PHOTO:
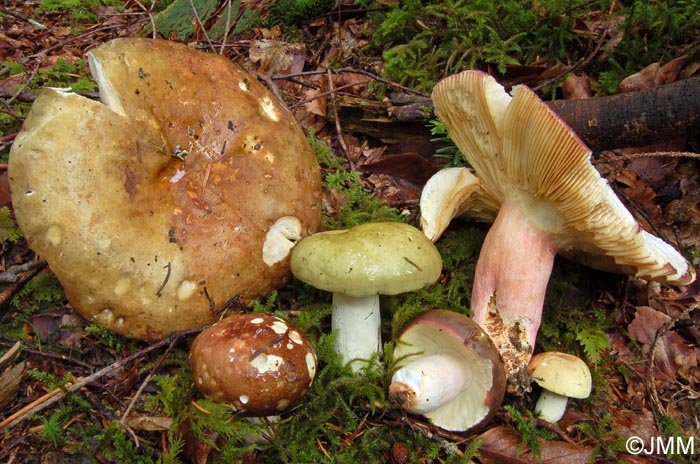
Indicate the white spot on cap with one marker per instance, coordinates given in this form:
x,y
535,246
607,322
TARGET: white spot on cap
x,y
243,86
54,235
311,365
120,321
104,317
179,174
244,399
295,337
280,239
279,327
123,286
186,290
257,320
264,363
283,404
268,108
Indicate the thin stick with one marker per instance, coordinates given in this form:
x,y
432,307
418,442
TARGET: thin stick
x,y
136,396
338,129
56,395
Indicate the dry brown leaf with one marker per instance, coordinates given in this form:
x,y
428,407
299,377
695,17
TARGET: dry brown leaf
x,y
316,102
635,424
673,356
653,75
576,87
274,56
149,423
501,446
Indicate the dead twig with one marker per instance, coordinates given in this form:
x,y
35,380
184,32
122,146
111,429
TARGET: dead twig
x,y
56,395
353,71
11,275
137,395
20,283
338,128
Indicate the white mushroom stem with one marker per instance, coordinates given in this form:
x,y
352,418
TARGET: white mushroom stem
x,y
429,382
510,282
356,322
551,406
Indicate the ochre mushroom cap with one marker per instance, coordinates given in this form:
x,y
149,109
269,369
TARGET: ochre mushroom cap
x,y
561,373
171,198
259,363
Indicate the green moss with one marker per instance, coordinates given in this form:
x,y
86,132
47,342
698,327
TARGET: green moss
x,y
80,10
359,206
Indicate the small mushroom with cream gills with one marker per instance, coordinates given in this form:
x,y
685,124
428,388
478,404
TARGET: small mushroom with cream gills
x,y
358,265
186,186
449,371
536,173
561,376
259,363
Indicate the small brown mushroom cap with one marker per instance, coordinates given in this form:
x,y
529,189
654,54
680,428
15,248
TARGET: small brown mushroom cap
x,y
185,188
260,364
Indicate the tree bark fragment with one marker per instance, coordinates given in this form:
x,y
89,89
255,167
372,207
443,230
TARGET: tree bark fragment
x,y
639,118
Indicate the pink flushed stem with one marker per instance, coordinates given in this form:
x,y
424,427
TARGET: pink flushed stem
x,y
510,282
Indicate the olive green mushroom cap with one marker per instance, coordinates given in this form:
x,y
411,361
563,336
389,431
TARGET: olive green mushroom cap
x,y
384,258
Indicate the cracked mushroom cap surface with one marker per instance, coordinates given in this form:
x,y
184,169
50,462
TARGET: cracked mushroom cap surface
x,y
186,186
259,363
439,331
377,258
523,153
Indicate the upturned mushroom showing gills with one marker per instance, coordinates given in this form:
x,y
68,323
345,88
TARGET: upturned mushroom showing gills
x,y
258,363
448,370
550,199
358,265
186,187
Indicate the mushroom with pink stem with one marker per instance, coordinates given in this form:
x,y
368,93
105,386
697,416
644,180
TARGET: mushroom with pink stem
x,y
534,170
358,265
448,370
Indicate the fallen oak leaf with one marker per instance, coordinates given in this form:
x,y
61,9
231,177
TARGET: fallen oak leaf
x,y
502,446
673,356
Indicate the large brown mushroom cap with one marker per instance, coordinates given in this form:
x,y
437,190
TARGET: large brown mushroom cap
x,y
260,364
187,188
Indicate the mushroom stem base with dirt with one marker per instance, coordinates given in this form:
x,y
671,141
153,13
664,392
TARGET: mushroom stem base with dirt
x,y
356,322
551,406
510,282
429,382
